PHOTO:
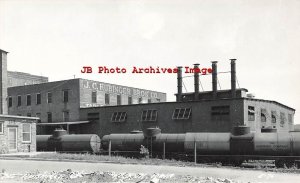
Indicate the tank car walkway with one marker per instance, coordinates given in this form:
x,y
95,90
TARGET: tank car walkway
x,y
18,166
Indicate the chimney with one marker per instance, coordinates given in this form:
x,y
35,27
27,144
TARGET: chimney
x,y
214,79
196,81
233,78
3,83
179,84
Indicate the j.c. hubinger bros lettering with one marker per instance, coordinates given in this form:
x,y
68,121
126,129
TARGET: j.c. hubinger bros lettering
x,y
144,70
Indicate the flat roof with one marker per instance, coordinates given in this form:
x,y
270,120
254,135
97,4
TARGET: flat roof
x,y
63,123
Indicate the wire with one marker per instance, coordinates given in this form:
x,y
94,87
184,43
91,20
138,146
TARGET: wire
x,y
184,86
201,84
237,82
219,83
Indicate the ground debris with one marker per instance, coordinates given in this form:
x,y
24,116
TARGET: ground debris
x,y
69,176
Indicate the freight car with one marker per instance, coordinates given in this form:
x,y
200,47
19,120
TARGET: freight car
x,y
62,142
235,147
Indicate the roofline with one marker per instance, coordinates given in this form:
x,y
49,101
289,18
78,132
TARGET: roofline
x,y
206,100
19,117
4,51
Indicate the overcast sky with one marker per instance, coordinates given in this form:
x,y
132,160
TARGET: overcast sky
x,y
56,38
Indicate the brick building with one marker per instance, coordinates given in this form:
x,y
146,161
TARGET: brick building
x,y
20,79
58,103
17,133
212,111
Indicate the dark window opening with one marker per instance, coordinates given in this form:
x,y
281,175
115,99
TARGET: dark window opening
x,y
94,116
118,99
107,99
19,100
220,113
119,117
28,100
182,113
263,117
251,113
38,98
129,100
66,96
94,97
273,116
149,115
49,98
66,116
49,117
10,101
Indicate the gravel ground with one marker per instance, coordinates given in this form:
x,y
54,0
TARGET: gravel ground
x,y
76,177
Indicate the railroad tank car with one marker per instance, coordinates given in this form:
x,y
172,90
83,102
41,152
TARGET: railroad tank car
x,y
234,147
62,142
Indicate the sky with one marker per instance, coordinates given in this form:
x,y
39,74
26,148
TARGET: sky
x,y
56,38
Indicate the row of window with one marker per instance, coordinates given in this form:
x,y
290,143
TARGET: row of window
x,y
65,114
146,115
264,115
38,98
65,94
26,131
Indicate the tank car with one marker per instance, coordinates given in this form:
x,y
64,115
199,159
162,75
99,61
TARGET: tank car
x,y
62,142
234,147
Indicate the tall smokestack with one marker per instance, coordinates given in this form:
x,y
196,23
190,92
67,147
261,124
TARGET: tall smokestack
x,y
196,80
179,84
233,78
3,82
214,79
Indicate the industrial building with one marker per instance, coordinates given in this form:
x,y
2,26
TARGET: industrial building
x,y
17,133
212,111
15,78
58,103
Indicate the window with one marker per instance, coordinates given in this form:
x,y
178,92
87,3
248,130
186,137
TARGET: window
x,y
140,100
28,114
118,99
65,95
158,100
282,119
149,100
39,116
107,99
290,118
220,113
49,117
263,117
93,116
38,98
94,97
119,117
49,97
182,113
28,99
19,100
274,116
129,100
10,101
66,116
26,132
1,127
149,115
251,113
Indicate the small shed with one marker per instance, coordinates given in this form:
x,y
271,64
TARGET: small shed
x,y
17,134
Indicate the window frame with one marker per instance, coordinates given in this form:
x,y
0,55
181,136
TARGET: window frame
x,y
19,100
94,97
10,101
49,96
65,96
107,98
182,113
64,116
118,117
149,115
49,121
38,99
28,99
1,127
251,113
30,133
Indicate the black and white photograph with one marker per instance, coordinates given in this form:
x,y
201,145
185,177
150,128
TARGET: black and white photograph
x,y
149,91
